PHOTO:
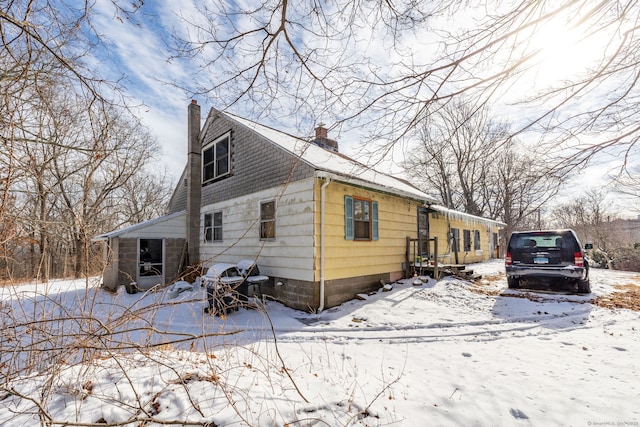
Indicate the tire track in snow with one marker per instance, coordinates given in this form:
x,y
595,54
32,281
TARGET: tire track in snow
x,y
488,330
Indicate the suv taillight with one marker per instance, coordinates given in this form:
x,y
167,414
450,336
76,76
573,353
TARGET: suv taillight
x,y
508,260
578,260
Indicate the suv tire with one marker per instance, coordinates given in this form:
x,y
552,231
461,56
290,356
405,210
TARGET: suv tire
x,y
584,287
513,283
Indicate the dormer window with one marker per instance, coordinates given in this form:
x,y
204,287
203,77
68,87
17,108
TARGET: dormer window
x,y
216,159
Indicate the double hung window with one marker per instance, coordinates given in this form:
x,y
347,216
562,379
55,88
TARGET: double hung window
x,y
213,227
268,220
216,159
360,219
467,240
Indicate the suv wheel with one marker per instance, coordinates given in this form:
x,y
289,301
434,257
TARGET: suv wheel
x,y
513,283
584,287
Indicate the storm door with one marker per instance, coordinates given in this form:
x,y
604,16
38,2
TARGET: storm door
x,y
423,232
150,263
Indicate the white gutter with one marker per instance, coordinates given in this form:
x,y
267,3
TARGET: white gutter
x,y
418,196
322,227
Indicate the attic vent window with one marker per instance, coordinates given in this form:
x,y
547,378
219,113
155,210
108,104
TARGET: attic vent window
x,y
216,159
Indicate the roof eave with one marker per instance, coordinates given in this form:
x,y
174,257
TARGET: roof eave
x,y
134,227
420,198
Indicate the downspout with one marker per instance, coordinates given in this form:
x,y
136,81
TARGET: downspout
x,y
322,232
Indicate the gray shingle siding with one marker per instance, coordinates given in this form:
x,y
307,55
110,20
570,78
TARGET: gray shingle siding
x,y
256,163
178,201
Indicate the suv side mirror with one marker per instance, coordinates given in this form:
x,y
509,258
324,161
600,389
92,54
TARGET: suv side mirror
x,y
588,246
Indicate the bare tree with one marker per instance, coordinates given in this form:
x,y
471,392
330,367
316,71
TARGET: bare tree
x,y
589,217
476,166
116,150
384,64
455,154
627,184
147,193
70,146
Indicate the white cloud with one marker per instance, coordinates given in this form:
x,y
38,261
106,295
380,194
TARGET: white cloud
x,y
138,51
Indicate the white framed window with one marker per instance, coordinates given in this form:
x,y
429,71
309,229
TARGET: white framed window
x,y
213,227
268,220
216,159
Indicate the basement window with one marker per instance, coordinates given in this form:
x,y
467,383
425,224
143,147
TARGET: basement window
x,y
216,159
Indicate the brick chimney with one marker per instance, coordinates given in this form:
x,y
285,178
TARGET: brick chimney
x,y
322,139
321,131
194,176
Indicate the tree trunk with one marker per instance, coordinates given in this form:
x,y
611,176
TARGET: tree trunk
x,y
81,256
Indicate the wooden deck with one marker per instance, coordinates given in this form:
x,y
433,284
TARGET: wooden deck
x,y
423,264
443,270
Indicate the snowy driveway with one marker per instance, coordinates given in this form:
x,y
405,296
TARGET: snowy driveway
x,y
445,353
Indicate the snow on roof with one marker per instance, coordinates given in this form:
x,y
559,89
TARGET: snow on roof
x,y
335,163
138,226
464,216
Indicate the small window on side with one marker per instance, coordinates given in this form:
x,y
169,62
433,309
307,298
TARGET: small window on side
x,y
213,227
466,234
455,239
268,220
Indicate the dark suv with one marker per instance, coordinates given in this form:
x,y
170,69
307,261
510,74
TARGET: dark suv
x,y
553,257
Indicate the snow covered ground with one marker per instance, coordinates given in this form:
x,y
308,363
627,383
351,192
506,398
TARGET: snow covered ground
x,y
451,352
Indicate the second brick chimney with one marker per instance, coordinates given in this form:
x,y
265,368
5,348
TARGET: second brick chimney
x,y
321,131
322,139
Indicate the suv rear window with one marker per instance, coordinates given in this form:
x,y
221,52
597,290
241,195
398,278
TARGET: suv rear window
x,y
542,241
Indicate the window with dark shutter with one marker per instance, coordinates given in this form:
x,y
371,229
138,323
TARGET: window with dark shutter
x,y
360,219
